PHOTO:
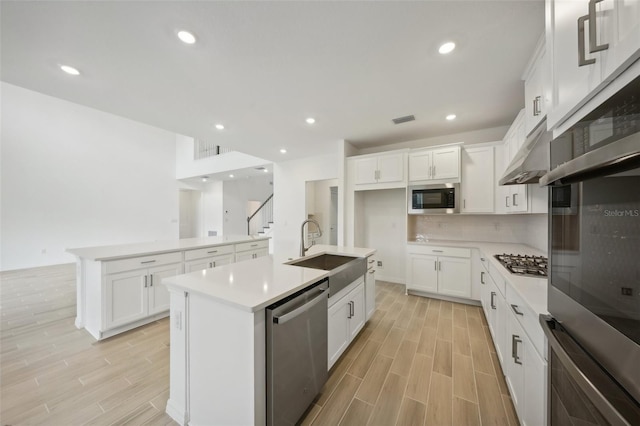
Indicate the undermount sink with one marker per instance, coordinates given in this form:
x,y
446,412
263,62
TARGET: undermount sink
x,y
343,270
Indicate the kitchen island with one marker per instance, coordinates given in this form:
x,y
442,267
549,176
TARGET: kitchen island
x,y
118,286
218,331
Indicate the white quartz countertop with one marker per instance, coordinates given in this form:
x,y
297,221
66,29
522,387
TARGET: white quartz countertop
x,y
156,247
254,284
532,290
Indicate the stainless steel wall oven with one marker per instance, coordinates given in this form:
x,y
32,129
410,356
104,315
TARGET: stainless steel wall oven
x,y
594,266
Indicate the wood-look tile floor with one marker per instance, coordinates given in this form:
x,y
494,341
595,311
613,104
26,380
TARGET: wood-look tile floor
x,y
418,361
54,374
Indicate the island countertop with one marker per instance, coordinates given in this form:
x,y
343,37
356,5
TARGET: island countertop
x,y
113,252
250,285
255,284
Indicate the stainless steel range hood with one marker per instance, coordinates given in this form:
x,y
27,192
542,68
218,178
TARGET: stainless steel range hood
x,y
531,162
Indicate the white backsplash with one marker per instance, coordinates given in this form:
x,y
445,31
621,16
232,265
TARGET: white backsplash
x,y
530,229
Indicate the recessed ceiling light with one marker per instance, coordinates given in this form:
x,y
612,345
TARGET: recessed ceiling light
x,y
266,170
310,120
230,176
69,70
283,151
219,127
204,178
186,37
451,117
447,48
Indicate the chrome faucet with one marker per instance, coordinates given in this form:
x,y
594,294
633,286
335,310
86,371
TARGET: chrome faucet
x,y
304,249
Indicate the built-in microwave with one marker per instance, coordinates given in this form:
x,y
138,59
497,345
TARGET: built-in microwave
x,y
442,198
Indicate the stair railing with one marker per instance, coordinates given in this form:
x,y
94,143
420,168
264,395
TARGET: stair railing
x,y
266,214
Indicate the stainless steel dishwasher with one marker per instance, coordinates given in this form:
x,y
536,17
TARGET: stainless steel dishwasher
x,y
296,353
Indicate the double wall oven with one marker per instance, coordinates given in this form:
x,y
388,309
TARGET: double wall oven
x,y
594,266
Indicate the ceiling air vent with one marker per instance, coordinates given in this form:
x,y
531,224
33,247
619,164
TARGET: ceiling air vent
x,y
404,119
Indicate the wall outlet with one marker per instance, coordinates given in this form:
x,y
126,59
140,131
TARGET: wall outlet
x,y
379,263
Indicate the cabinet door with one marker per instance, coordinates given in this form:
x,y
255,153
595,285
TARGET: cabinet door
x,y
370,292
500,323
518,199
535,389
357,320
158,293
420,166
391,168
446,163
196,265
486,288
338,330
244,255
514,361
126,297
619,26
534,95
477,180
454,276
571,83
366,170
423,272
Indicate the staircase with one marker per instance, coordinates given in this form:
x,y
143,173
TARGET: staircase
x,y
261,221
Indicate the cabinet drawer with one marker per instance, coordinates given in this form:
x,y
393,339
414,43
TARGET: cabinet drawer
x,y
208,252
527,319
141,262
446,251
252,245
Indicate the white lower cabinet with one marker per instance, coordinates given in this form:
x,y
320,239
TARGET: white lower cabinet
x,y
253,250
346,317
137,294
519,342
526,375
442,270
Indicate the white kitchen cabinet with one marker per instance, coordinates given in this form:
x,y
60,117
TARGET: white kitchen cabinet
x,y
435,165
346,317
370,287
380,169
525,375
582,64
515,196
494,305
535,88
136,294
251,250
440,270
478,180
207,258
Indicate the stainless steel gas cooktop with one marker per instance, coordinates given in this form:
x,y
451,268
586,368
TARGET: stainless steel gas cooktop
x,y
529,266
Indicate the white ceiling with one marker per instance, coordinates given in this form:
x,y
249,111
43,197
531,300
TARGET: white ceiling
x,y
261,68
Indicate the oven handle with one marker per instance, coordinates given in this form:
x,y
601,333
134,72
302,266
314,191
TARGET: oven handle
x,y
594,395
281,319
615,157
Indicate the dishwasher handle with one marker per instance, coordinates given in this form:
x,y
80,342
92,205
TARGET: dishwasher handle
x,y
281,319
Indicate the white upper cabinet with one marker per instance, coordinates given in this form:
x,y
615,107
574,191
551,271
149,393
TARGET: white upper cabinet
x,y
478,180
380,171
589,43
435,165
535,88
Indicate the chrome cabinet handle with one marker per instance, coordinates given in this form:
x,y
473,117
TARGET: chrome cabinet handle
x,y
593,30
482,277
515,309
582,60
536,106
353,308
437,251
371,261
439,266
145,281
151,280
435,265
147,261
212,251
483,259
210,265
515,203
514,348
372,271
506,201
464,204
493,294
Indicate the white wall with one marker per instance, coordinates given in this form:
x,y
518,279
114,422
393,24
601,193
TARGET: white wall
x,y
384,223
289,180
72,176
236,194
